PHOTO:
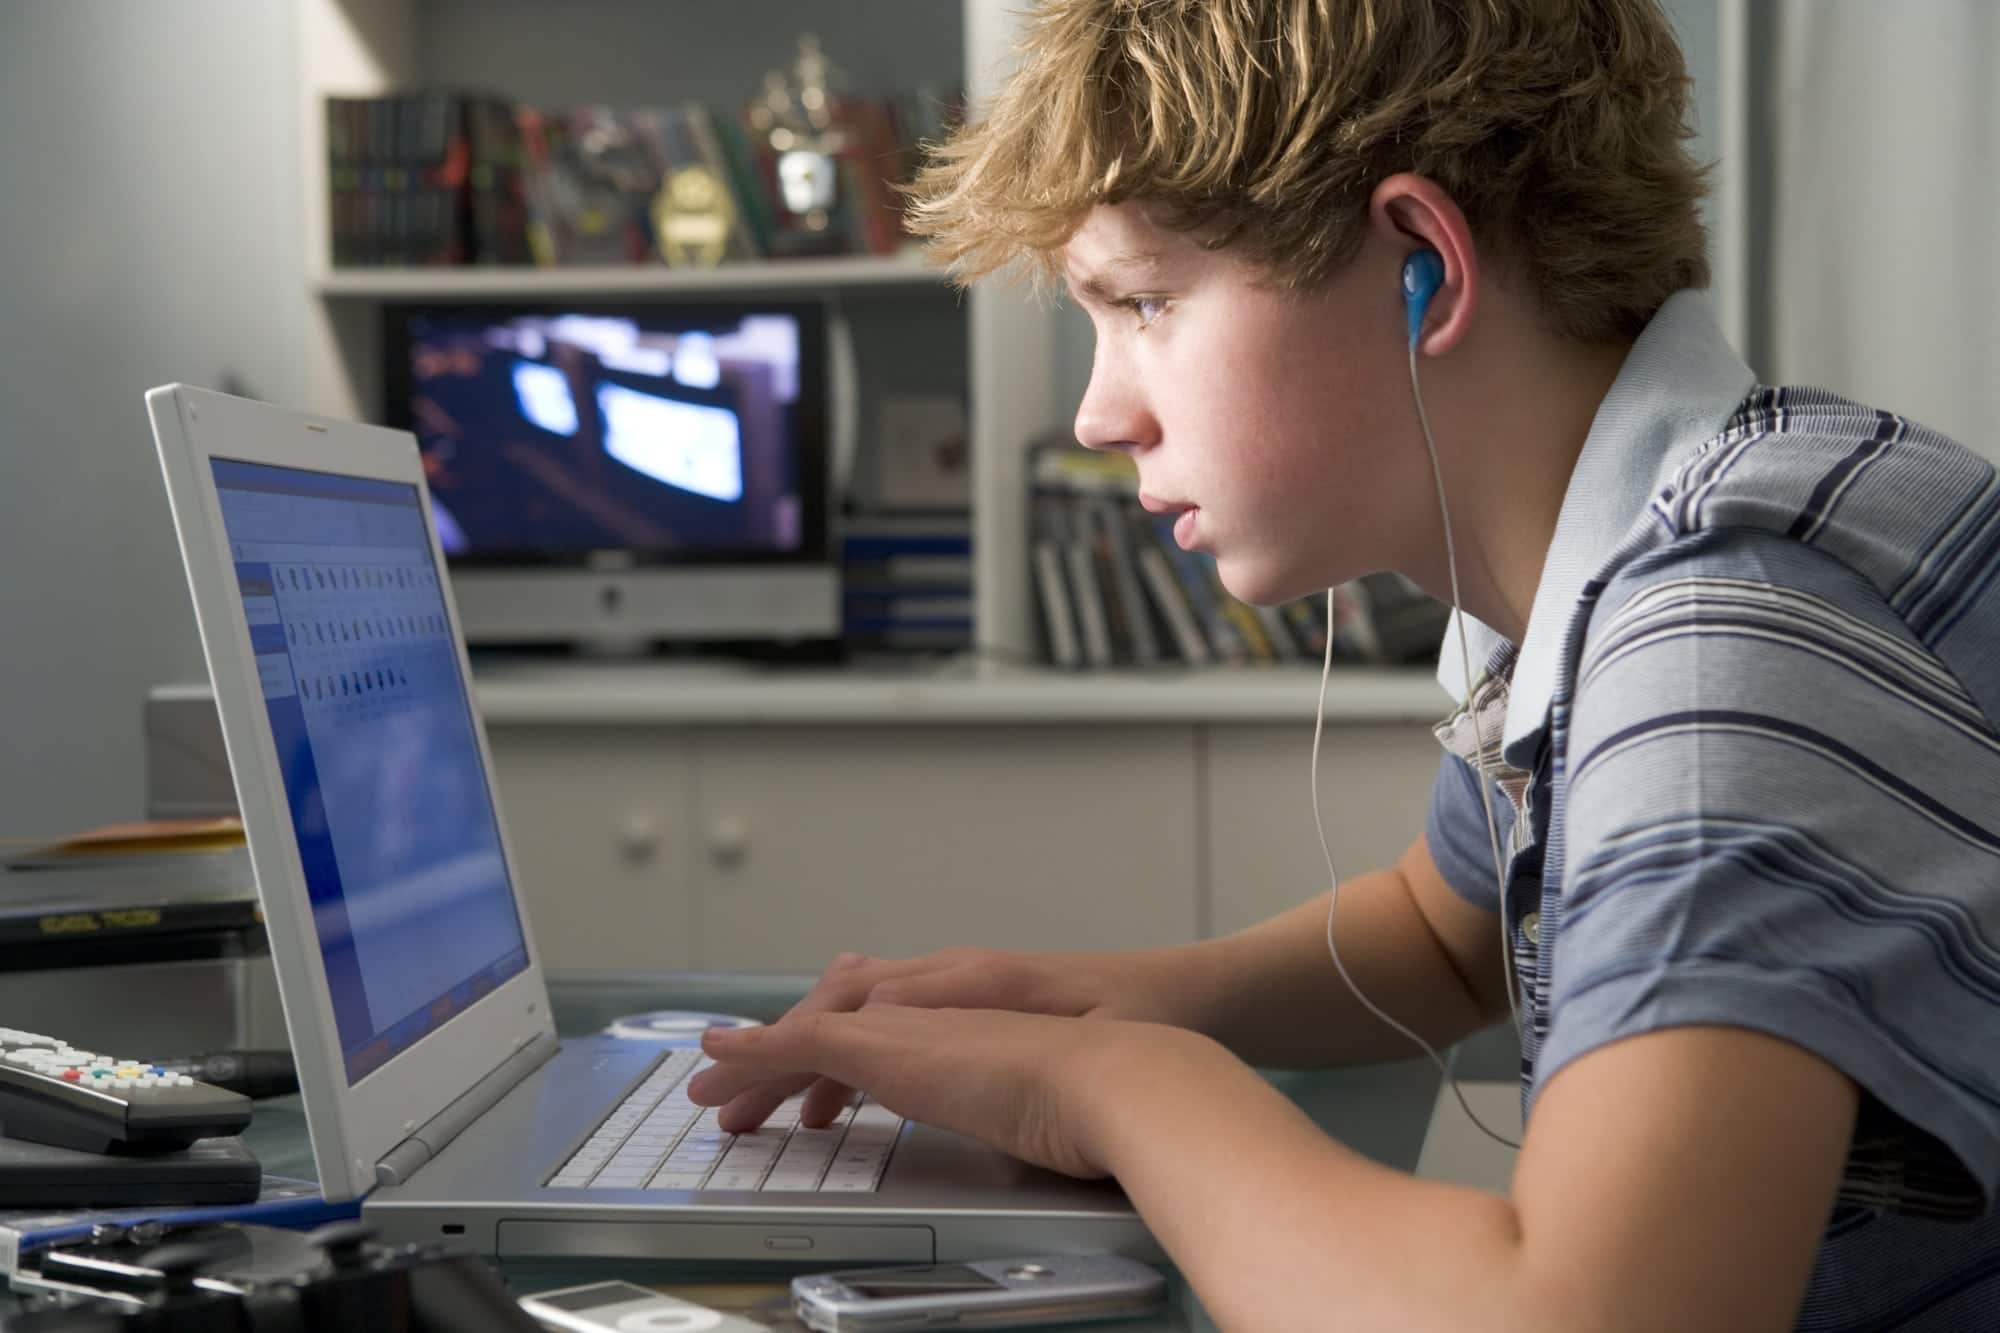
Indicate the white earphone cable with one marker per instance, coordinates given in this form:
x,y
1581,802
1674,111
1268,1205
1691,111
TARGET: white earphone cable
x,y
1485,796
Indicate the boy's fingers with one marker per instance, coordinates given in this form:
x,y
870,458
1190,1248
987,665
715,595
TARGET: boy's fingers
x,y
747,1110
824,1100
954,988
743,1063
831,1044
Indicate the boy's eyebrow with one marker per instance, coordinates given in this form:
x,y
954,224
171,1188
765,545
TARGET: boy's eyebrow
x,y
1097,285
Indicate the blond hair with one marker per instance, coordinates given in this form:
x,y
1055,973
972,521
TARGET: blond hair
x,y
1559,127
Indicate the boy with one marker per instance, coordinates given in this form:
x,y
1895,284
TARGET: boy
x,y
1732,701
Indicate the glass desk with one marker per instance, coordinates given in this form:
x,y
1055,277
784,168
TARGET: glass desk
x,y
1381,1111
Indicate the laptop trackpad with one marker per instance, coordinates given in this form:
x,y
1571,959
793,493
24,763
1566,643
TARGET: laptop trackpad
x,y
531,1239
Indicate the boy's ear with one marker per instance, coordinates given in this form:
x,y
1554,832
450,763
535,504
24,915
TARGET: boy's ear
x,y
1410,212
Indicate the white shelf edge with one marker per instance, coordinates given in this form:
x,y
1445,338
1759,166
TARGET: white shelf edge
x,y
575,693
501,283
699,695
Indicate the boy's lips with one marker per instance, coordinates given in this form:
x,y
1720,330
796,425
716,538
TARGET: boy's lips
x,y
1184,523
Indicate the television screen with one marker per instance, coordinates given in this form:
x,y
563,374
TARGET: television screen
x,y
682,433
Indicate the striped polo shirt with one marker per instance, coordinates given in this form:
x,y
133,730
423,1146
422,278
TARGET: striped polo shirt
x,y
1749,775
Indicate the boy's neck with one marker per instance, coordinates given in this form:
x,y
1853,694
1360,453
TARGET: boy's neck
x,y
1514,415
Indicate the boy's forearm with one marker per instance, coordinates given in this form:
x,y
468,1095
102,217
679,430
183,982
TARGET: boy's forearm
x,y
1272,996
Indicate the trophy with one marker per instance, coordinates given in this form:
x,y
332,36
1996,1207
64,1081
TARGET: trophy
x,y
797,124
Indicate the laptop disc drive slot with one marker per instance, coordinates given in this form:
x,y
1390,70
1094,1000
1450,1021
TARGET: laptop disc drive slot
x,y
629,1239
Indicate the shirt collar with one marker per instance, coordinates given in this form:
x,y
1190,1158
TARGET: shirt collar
x,y
1679,386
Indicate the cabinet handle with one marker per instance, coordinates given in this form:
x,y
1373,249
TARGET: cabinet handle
x,y
639,837
729,840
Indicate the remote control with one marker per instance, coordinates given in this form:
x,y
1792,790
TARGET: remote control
x,y
52,1093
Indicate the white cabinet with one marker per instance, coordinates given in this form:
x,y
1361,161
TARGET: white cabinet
x,y
717,823
767,849
599,820
899,840
713,818
1262,853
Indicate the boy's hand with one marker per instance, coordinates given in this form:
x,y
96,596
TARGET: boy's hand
x,y
1020,1082
950,978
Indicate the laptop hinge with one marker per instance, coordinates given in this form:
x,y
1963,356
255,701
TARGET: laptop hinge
x,y
401,1162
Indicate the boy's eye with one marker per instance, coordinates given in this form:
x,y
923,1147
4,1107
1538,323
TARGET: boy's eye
x,y
1147,308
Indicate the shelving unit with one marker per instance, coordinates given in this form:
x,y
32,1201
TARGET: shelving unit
x,y
910,330
620,280
739,818
1012,355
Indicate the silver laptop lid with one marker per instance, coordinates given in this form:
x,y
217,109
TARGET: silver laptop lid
x,y
403,956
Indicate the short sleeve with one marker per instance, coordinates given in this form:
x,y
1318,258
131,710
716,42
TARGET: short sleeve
x,y
1455,830
1782,813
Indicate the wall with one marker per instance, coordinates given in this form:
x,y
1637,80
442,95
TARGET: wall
x,y
1879,278
148,202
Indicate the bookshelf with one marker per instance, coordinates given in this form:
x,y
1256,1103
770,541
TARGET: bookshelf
x,y
1016,359
997,345
621,280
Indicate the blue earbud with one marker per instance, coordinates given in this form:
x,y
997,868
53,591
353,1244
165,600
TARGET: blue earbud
x,y
1423,274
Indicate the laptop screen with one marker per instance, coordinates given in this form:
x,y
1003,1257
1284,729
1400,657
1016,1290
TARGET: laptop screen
x,y
373,723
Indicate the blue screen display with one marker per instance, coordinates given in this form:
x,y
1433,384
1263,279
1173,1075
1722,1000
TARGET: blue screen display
x,y
396,828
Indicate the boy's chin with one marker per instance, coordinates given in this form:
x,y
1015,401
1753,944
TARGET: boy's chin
x,y
1249,580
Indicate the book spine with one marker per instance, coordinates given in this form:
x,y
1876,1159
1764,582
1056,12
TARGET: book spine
x,y
1084,526
1353,627
340,180
1245,620
1125,583
1089,598
1223,636
1173,608
1052,587
1278,632
1307,625
744,182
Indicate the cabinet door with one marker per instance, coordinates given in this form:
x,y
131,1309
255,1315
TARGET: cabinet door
x,y
895,840
1263,855
599,819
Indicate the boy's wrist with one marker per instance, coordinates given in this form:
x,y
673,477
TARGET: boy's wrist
x,y
1178,985
1126,1071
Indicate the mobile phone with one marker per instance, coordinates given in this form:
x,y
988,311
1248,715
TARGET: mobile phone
x,y
991,1293
621,1307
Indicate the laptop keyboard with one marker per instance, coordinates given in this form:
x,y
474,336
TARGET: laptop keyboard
x,y
657,1139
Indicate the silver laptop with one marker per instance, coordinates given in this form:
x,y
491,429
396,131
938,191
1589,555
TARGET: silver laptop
x,y
432,1078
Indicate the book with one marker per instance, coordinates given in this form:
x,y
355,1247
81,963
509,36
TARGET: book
x,y
122,868
1114,540
146,837
1167,596
1224,638
1278,632
1408,623
1135,597
1086,595
429,175
1353,632
1308,625
906,581
1059,628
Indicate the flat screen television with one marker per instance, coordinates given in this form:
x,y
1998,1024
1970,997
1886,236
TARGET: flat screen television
x,y
624,473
